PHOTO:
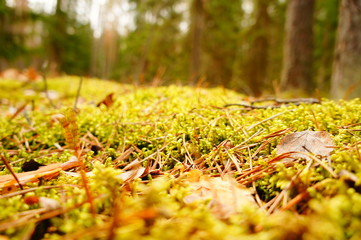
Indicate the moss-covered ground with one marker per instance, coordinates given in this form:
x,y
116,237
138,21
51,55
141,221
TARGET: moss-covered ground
x,y
140,152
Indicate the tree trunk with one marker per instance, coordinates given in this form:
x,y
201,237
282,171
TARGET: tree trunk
x,y
346,76
57,34
197,24
110,50
298,48
256,71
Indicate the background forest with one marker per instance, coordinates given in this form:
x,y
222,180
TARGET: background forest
x,y
253,46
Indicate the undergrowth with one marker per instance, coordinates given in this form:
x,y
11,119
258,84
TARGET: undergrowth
x,y
162,134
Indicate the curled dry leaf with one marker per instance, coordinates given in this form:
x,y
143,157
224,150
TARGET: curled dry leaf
x,y
132,174
225,194
107,101
319,143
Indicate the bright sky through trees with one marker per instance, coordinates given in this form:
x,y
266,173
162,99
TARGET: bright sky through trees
x,y
102,14
120,13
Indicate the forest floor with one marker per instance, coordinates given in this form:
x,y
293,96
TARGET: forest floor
x,y
104,160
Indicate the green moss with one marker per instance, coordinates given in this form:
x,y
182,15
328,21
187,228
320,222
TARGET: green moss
x,y
168,130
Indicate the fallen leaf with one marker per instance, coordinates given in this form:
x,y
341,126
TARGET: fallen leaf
x,y
226,196
31,74
319,143
194,175
132,174
107,101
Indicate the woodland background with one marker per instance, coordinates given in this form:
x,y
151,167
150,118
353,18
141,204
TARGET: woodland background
x,y
253,46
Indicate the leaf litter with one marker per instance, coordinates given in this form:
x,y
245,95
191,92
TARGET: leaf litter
x,y
225,195
318,143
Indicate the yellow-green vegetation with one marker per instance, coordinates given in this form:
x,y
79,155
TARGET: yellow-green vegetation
x,y
138,153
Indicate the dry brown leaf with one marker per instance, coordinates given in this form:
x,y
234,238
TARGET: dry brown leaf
x,y
194,175
225,194
31,74
107,101
132,174
319,143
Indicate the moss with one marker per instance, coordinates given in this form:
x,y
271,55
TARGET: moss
x,y
170,130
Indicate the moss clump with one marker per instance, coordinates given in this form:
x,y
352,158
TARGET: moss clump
x,y
160,133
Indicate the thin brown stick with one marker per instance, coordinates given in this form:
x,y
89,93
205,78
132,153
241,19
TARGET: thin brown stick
x,y
78,93
47,92
116,221
279,102
294,100
278,133
283,195
19,110
327,168
316,122
295,200
11,171
267,119
276,202
22,192
350,125
235,161
27,219
269,162
303,195
249,106
124,156
358,152
256,176
259,132
90,199
95,232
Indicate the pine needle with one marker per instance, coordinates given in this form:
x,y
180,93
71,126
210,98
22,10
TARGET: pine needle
x,y
11,171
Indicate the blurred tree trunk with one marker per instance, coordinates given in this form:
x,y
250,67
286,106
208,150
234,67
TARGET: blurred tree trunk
x,y
346,77
7,40
220,40
57,34
21,29
196,29
298,47
109,46
258,53
326,17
